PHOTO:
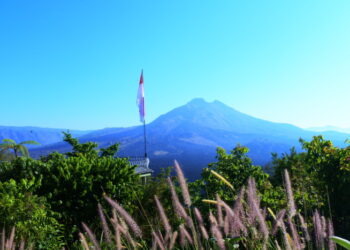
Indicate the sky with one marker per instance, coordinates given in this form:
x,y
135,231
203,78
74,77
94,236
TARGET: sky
x,y
76,64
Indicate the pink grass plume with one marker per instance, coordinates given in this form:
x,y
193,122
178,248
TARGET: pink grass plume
x,y
129,220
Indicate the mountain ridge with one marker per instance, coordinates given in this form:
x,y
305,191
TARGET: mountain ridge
x,y
192,132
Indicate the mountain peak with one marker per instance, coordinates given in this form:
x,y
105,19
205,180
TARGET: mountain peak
x,y
201,102
197,101
216,115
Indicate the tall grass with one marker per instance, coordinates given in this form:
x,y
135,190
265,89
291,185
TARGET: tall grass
x,y
243,225
8,242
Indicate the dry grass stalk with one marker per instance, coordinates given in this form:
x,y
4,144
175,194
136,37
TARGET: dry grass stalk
x,y
183,184
127,236
212,219
255,208
115,224
185,237
318,230
173,240
10,241
219,211
22,245
160,236
227,225
279,221
277,245
3,237
84,241
158,241
237,226
324,226
198,215
201,223
162,214
219,239
293,229
91,236
238,205
290,196
187,200
330,231
105,228
304,228
179,209
227,208
215,231
129,220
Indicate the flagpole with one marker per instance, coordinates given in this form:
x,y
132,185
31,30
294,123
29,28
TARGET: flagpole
x,y
144,136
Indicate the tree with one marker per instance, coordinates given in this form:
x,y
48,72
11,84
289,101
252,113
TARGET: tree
x,y
321,179
330,168
237,167
17,148
306,194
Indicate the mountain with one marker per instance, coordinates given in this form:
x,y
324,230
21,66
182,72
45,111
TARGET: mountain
x,y
44,136
191,134
330,128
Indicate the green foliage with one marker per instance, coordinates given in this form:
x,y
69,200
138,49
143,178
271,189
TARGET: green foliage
x,y
29,214
47,199
75,183
110,151
306,194
321,179
341,242
17,148
236,167
159,186
86,149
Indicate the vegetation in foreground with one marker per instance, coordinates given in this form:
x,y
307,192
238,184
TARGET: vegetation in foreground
x,y
46,200
244,225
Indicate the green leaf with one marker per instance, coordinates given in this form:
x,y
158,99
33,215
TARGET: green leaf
x,y
340,241
9,141
30,142
23,150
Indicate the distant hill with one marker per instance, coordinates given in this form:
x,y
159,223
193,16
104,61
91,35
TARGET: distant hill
x,y
192,132
44,136
330,128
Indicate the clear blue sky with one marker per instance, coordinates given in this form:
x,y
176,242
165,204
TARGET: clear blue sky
x,y
76,64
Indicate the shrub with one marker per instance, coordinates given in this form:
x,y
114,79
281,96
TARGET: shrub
x,y
73,184
29,214
236,167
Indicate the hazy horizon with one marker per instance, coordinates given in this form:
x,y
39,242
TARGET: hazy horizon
x,y
77,64
317,128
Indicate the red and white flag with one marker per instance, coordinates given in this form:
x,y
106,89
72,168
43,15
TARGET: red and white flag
x,y
141,99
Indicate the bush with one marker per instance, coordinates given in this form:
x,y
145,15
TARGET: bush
x,y
236,167
29,214
73,184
